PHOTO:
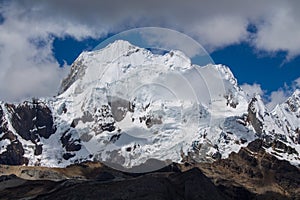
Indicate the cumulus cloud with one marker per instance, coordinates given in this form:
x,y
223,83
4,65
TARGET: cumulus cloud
x,y
214,32
282,94
252,90
274,97
27,29
278,97
280,31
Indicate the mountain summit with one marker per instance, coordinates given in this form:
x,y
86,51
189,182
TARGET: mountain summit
x,y
124,105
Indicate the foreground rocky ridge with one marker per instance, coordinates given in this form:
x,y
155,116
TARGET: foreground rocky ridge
x,y
258,171
249,174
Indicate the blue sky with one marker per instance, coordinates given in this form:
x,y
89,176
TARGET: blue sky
x,y
258,40
271,71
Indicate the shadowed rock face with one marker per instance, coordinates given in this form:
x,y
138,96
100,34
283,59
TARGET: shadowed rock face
x,y
257,171
69,144
13,154
119,107
31,120
256,123
77,71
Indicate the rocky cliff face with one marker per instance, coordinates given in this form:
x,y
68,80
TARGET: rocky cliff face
x,y
257,171
23,124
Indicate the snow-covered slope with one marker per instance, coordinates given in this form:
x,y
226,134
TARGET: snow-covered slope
x,y
125,105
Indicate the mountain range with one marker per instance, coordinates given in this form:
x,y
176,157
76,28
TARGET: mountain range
x,y
137,112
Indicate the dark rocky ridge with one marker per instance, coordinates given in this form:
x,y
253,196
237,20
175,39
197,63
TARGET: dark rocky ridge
x,y
31,120
250,174
13,155
257,171
77,71
256,123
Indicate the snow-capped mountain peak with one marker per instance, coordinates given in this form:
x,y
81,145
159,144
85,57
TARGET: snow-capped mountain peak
x,y
125,105
294,101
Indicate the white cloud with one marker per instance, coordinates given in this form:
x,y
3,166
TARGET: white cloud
x,y
277,97
31,70
281,32
215,23
282,94
220,31
28,67
252,90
